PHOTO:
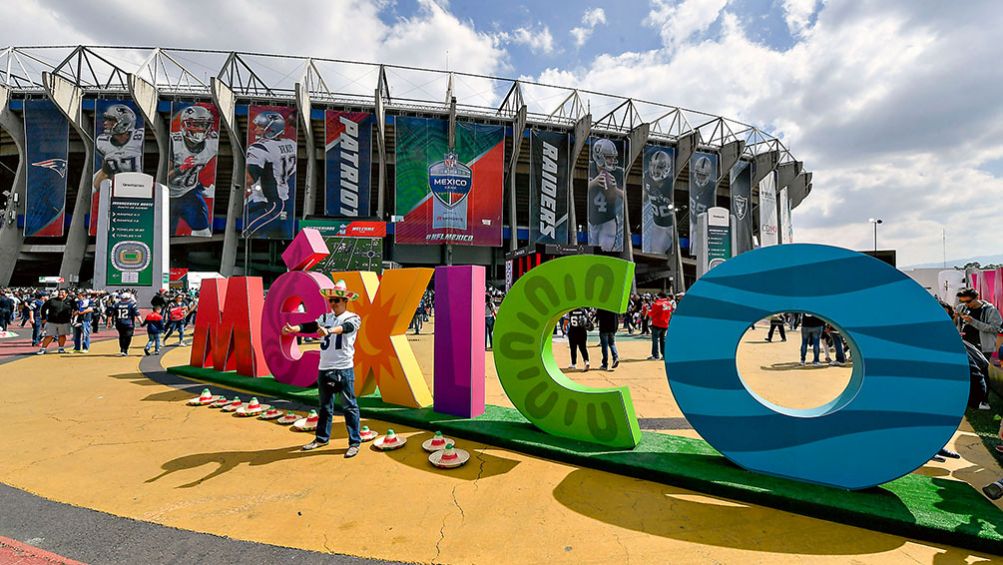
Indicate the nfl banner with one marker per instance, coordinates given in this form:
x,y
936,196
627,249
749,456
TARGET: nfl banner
x,y
118,146
270,178
658,228
548,187
47,138
768,229
703,183
449,194
741,205
191,178
605,195
786,231
348,151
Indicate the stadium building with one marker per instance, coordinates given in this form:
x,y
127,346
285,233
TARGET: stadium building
x,y
401,166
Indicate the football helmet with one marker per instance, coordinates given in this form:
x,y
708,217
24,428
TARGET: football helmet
x,y
270,124
701,170
118,119
660,166
605,155
196,121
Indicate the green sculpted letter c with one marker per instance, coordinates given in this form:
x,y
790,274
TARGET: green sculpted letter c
x,y
525,360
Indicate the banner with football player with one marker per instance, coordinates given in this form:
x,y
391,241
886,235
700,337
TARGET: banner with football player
x,y
348,151
703,188
548,186
658,230
270,173
741,205
768,229
191,177
47,140
118,146
606,193
449,194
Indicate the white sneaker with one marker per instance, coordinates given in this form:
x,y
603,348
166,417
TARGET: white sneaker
x,y
85,351
586,366
985,406
572,366
41,352
122,354
62,350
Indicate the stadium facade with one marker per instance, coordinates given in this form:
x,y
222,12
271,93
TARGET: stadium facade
x,y
456,168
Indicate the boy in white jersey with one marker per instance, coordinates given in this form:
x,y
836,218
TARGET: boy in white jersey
x,y
337,360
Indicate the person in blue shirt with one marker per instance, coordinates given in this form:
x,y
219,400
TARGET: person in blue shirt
x,y
84,312
126,315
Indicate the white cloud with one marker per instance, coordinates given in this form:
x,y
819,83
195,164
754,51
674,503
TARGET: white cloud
x,y
592,18
798,13
676,22
538,40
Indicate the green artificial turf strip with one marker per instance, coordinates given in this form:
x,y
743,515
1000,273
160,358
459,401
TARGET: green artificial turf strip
x,y
933,509
986,423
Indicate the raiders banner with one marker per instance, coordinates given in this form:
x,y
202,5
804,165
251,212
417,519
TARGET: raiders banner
x,y
348,154
605,195
548,187
47,139
741,205
768,229
658,210
703,182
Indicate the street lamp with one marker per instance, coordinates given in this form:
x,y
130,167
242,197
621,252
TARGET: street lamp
x,y
875,221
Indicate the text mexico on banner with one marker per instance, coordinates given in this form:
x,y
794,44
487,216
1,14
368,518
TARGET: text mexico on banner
x,y
741,205
131,231
270,177
348,151
605,194
192,174
548,187
47,138
658,229
118,146
768,229
449,195
703,185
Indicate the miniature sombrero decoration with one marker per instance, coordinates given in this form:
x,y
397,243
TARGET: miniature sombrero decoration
x,y
205,398
449,458
252,408
270,414
289,418
233,405
307,424
368,435
436,443
221,401
340,290
390,441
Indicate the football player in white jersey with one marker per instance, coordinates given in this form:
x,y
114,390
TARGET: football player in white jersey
x,y
120,145
605,199
192,149
271,163
658,195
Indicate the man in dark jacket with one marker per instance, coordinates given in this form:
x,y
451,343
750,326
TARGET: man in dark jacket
x,y
608,323
56,315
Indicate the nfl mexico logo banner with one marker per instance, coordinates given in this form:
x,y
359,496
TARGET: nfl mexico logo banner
x,y
449,194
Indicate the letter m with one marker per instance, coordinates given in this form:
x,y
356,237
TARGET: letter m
x,y
228,326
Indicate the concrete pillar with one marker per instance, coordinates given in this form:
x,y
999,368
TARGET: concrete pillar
x,y
728,156
518,127
226,102
637,139
583,127
11,238
303,108
685,146
147,98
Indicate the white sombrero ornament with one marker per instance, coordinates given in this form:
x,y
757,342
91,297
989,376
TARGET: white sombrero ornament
x,y
340,290
390,441
233,405
289,418
252,408
436,443
307,424
270,414
368,435
221,401
449,458
203,399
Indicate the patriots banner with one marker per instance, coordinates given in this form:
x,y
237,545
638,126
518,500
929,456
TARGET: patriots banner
x,y
348,151
47,138
270,173
741,205
191,177
449,194
548,186
768,229
118,146
658,227
605,195
703,186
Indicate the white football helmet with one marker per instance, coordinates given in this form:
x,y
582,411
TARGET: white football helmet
x,y
701,170
605,155
119,118
660,166
196,121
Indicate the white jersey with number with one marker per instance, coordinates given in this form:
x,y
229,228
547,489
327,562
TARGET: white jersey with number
x,y
277,159
127,158
189,163
338,351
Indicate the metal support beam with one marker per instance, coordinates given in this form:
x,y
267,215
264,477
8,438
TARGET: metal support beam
x,y
583,127
303,107
226,102
685,147
12,238
146,97
68,98
518,127
637,139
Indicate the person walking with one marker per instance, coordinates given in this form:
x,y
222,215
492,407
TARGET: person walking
x,y
177,314
82,328
56,314
6,310
979,324
126,315
607,337
578,335
490,313
811,334
776,323
336,374
660,312
154,323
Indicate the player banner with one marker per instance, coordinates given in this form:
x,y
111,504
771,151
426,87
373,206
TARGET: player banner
x,y
348,151
47,139
658,229
270,177
191,178
354,245
118,146
606,186
449,195
741,205
768,229
703,182
131,232
548,186
786,231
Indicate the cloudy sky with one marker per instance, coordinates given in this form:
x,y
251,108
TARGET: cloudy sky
x,y
895,105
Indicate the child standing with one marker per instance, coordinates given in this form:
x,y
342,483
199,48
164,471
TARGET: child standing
x,y
154,323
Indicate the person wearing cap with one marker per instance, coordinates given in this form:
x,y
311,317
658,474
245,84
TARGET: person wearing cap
x,y
126,315
336,375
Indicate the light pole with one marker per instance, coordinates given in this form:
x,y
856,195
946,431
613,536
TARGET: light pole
x,y
875,221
